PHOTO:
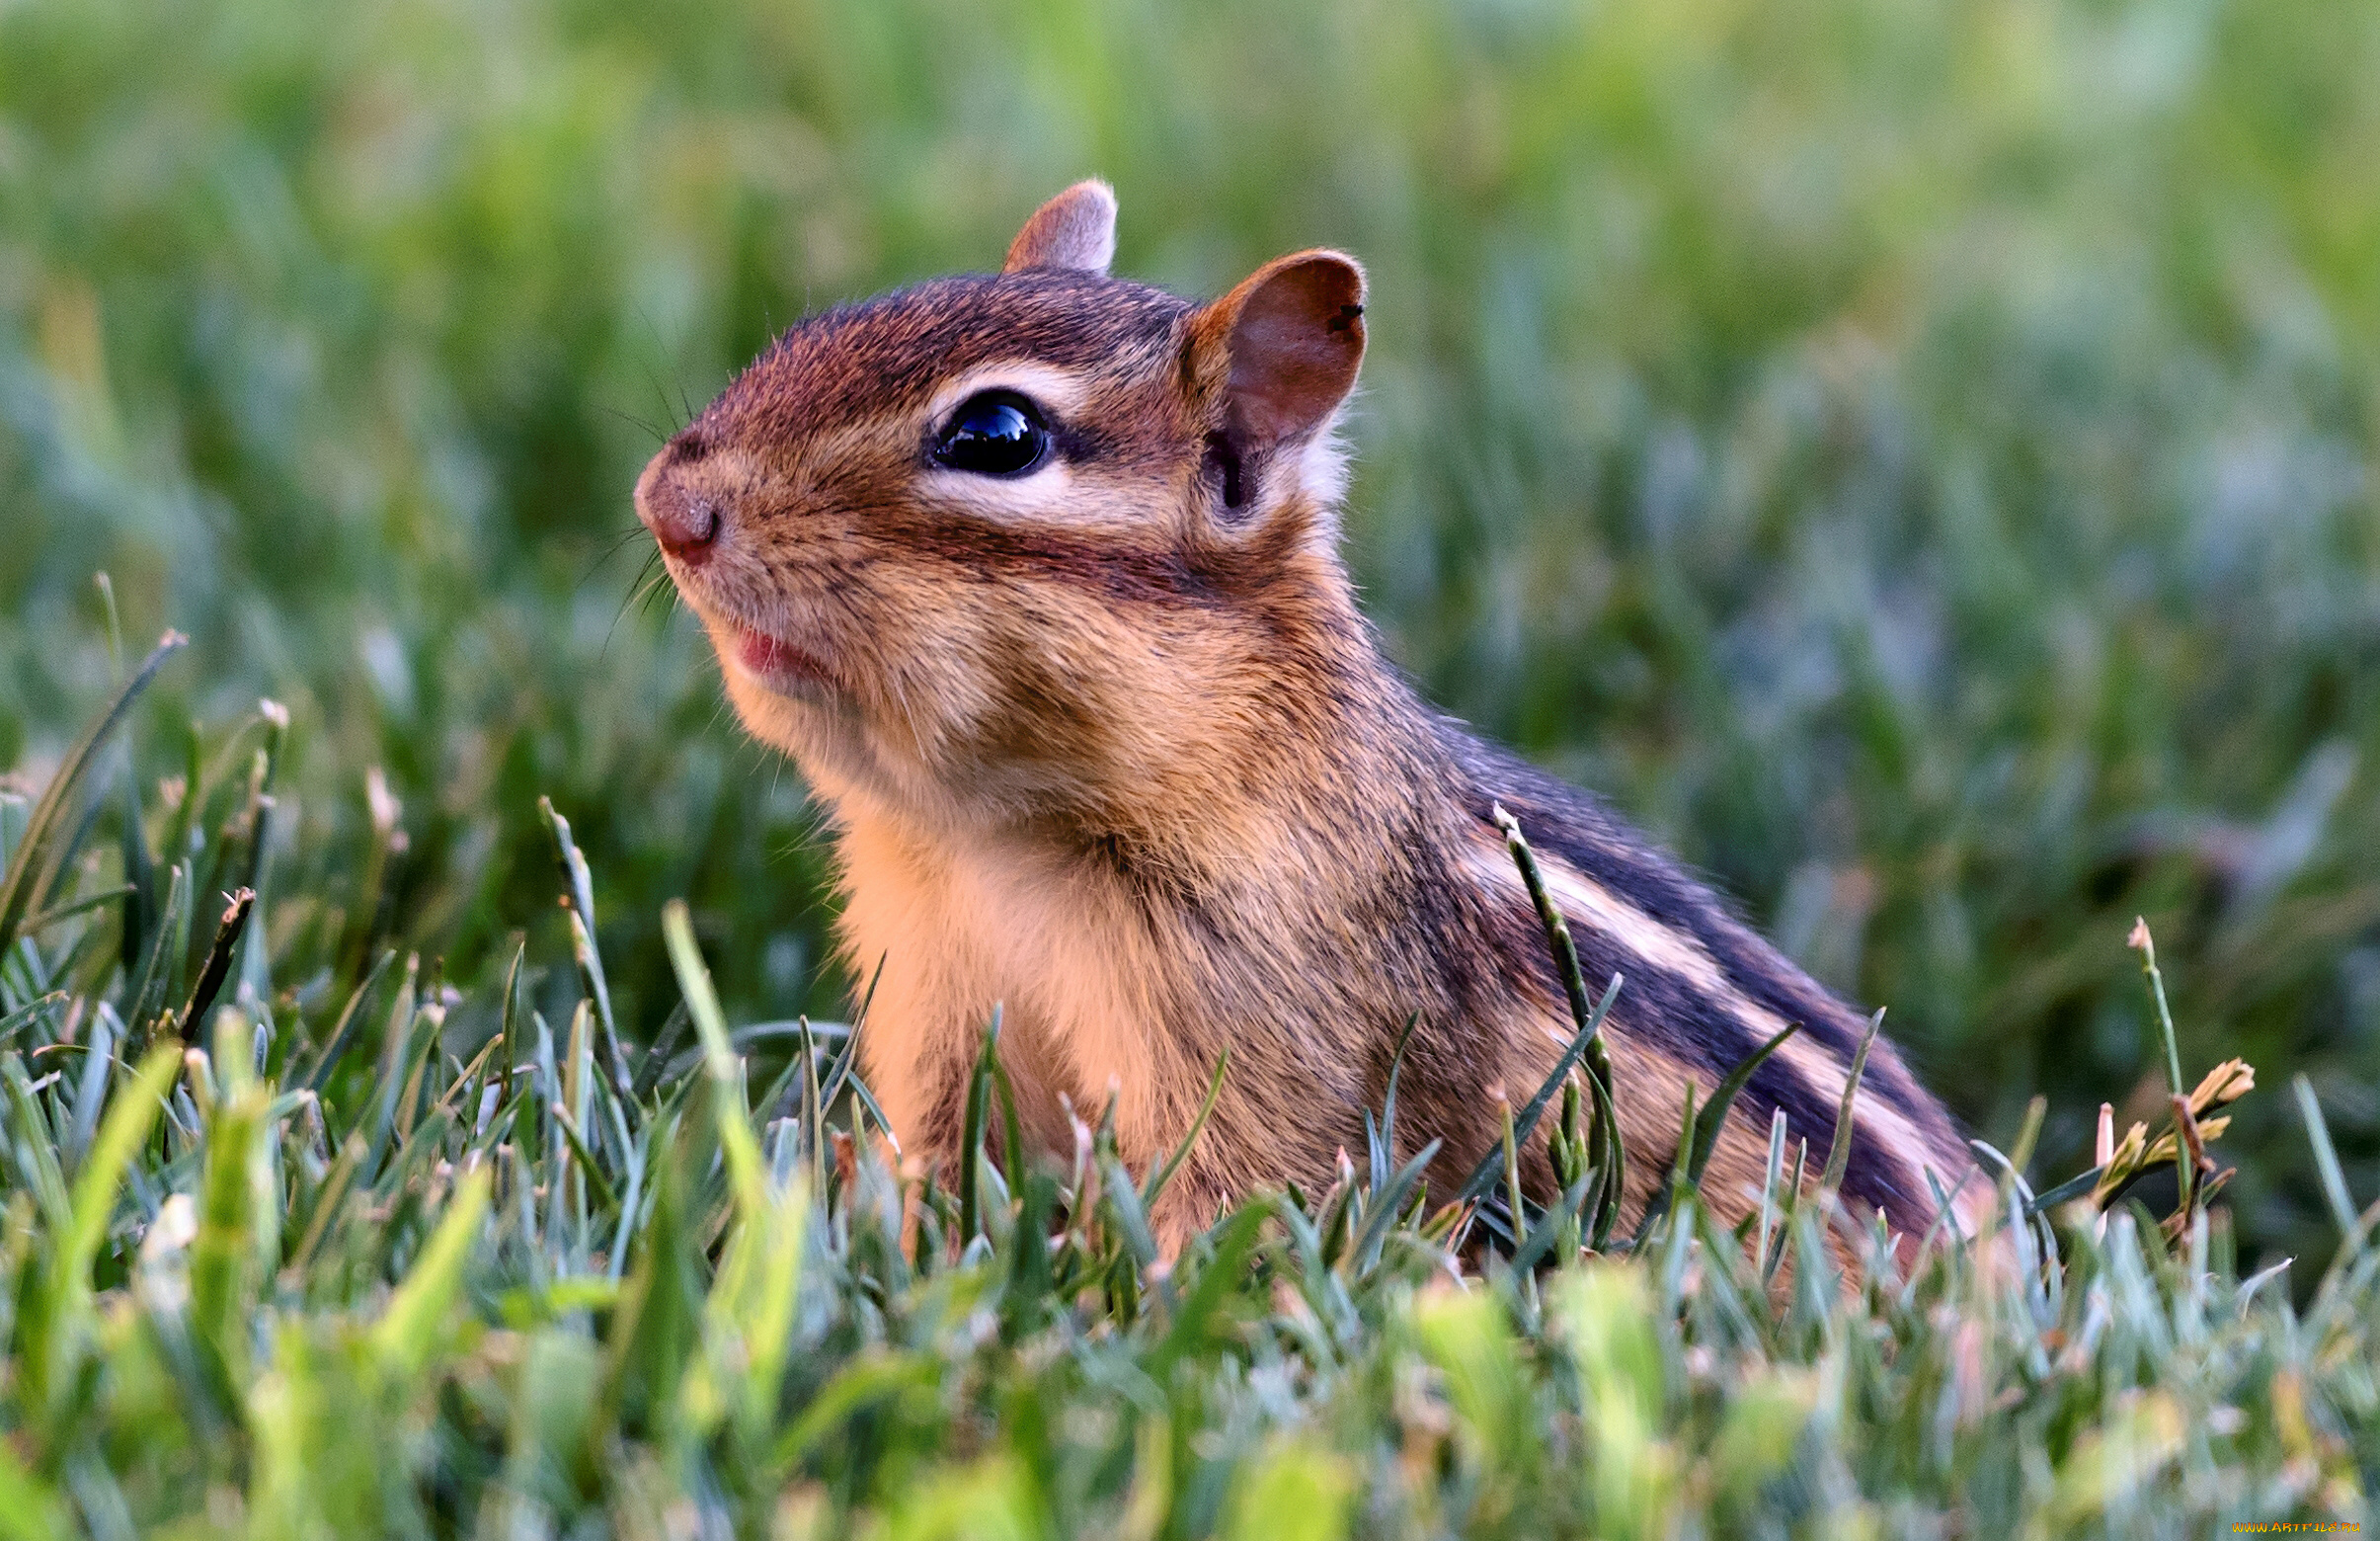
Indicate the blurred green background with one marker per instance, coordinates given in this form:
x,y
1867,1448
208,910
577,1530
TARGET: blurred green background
x,y
1917,459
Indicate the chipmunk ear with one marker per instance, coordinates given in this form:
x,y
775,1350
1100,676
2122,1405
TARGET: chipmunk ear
x,y
1286,343
1075,230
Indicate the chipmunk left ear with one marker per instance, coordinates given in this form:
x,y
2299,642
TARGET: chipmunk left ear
x,y
1075,230
1283,347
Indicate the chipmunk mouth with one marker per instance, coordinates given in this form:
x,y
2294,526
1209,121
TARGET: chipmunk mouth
x,y
770,660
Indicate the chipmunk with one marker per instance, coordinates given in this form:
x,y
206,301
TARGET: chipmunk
x,y
1035,575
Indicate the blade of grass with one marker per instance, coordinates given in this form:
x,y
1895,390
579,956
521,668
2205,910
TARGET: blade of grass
x,y
1483,1175
579,890
1838,1155
1772,1175
1789,1221
31,874
344,1033
1203,1309
2326,1164
1181,1153
838,1071
19,1018
91,1097
1714,1112
191,1020
145,995
34,924
1386,1205
2141,941
327,1201
1603,1135
742,1151
599,1184
1550,1226
970,1133
507,1032
2070,1189
1706,1125
1385,1157
220,1287
96,1186
1666,1197
409,1331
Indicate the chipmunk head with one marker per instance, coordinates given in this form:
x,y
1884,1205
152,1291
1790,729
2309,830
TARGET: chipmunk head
x,y
1013,544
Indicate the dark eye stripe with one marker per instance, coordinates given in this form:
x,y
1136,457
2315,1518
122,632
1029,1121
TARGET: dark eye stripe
x,y
994,433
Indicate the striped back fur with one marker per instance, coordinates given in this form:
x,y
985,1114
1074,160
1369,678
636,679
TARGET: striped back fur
x,y
1109,745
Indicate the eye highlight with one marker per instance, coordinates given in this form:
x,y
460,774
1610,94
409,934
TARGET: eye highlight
x,y
994,433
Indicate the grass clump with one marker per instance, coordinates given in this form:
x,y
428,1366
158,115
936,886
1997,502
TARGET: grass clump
x,y
1919,461
298,1243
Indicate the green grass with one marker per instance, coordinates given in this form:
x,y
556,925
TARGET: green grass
x,y
1918,460
424,1260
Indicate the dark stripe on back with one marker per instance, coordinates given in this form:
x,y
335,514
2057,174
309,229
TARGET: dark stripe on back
x,y
1668,1013
1673,1015
1573,826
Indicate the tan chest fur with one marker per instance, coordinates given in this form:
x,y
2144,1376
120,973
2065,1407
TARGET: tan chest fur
x,y
961,931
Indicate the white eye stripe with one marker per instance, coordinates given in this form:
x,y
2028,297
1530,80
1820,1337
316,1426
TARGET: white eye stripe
x,y
1059,392
1037,493
1059,496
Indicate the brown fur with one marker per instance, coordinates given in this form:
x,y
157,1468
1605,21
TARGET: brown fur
x,y
1110,746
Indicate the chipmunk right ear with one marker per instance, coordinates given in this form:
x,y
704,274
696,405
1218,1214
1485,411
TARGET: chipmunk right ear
x,y
1075,230
1286,345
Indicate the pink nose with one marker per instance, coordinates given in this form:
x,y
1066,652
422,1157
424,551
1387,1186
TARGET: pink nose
x,y
685,521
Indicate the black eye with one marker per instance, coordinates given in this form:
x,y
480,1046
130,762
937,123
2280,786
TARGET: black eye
x,y
997,433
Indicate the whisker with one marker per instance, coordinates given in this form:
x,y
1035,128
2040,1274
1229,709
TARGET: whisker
x,y
654,379
638,591
723,710
660,588
611,550
633,421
